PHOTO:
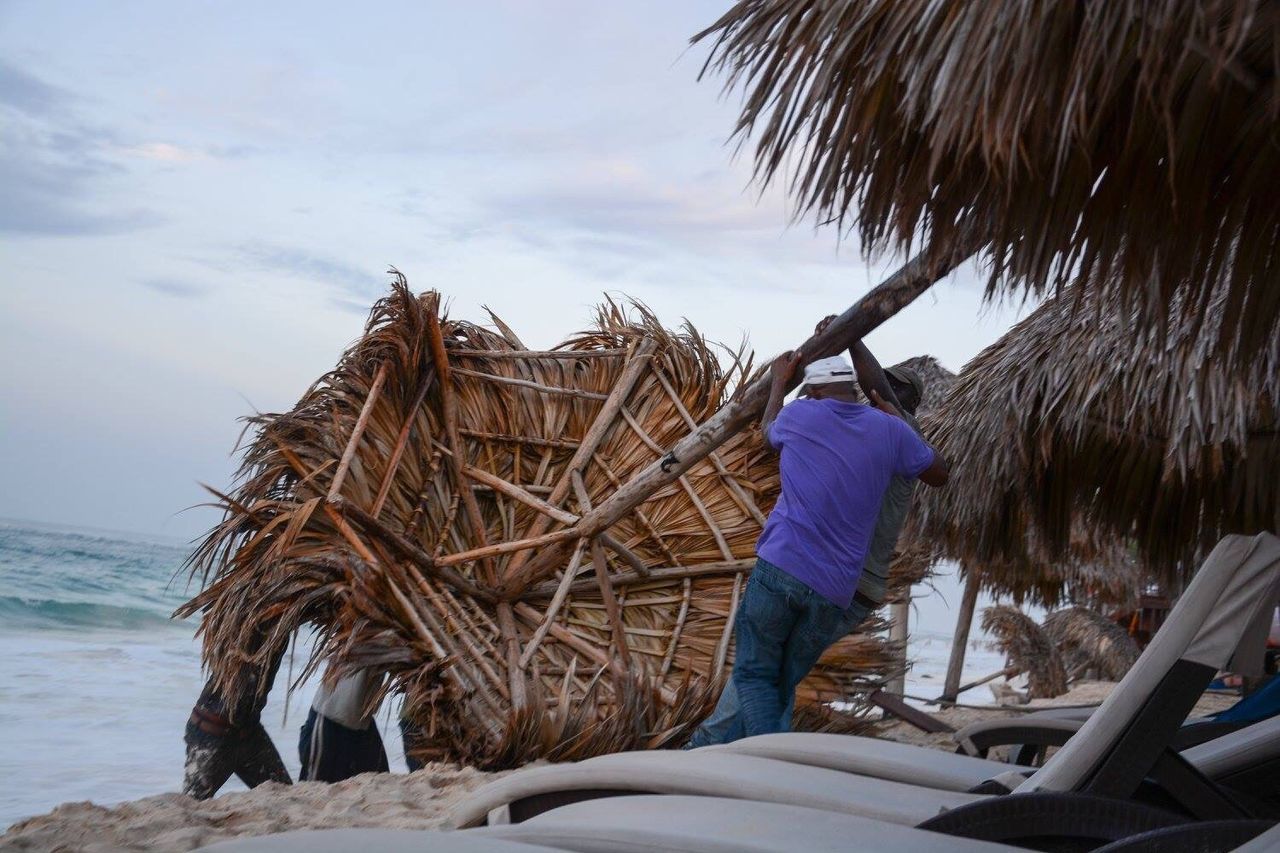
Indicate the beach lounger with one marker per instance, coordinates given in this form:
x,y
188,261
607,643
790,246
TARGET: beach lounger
x,y
1223,759
1121,744
1029,736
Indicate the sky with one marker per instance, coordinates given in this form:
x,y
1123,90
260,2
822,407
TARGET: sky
x,y
200,201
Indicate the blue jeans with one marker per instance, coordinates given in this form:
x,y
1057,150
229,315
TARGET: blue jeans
x,y
783,628
724,725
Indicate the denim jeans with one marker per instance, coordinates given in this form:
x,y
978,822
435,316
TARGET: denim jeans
x,y
724,725
783,628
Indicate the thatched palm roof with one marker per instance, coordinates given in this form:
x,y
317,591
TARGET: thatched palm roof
x,y
393,507
1081,428
1088,640
1028,649
1132,145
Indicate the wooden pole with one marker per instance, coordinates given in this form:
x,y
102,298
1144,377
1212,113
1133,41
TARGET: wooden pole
x,y
960,642
349,453
899,613
867,314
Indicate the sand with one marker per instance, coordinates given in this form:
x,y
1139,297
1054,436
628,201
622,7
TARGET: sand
x,y
419,800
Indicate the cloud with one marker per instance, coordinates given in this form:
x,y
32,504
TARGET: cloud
x,y
305,264
176,287
53,166
30,95
164,152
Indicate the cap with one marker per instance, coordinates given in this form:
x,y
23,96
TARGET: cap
x,y
826,371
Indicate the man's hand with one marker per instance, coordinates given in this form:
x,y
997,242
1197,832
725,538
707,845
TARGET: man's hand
x,y
823,323
887,408
784,367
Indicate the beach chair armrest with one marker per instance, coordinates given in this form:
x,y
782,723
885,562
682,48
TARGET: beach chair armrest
x,y
1052,817
977,739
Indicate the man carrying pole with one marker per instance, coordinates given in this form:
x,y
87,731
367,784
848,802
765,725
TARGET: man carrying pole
x,y
902,388
837,459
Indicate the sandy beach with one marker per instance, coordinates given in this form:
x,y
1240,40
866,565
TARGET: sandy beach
x,y
420,800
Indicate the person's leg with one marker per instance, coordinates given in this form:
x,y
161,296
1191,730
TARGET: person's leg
x,y
848,623
765,620
257,759
210,763
725,723
305,735
813,633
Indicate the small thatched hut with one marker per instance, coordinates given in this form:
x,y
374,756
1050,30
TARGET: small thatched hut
x,y
1132,146
1082,427
1028,649
395,510
1087,640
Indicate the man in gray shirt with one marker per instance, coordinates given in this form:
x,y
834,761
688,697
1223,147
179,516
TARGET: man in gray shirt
x,y
902,388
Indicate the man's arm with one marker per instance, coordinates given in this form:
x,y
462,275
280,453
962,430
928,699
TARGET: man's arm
x,y
781,369
871,375
939,471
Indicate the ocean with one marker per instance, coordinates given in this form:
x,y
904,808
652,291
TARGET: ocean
x,y
96,681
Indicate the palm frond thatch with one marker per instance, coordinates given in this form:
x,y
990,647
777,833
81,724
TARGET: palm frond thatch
x,y
1089,640
1083,427
394,508
1028,649
1134,145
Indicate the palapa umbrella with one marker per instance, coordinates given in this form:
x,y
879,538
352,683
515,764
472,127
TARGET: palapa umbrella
x,y
1081,428
1132,145
395,510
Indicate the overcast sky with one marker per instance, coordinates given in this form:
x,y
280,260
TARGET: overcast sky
x,y
200,200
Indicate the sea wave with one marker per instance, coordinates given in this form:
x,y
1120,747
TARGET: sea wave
x,y
46,614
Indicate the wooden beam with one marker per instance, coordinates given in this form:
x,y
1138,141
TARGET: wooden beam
x,y
894,705
728,567
960,641
335,488
867,314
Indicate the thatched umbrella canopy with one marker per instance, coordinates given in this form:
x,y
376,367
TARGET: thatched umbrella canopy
x,y
1028,649
1089,640
1081,428
1132,144
395,510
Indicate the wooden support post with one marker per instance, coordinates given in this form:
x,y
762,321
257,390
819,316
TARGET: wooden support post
x,y
960,641
899,613
885,300
335,488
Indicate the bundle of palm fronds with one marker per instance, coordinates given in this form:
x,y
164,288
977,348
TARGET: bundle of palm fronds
x,y
1082,427
1131,144
1027,649
398,508
1089,640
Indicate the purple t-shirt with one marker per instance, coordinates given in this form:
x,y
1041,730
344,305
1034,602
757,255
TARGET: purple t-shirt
x,y
837,459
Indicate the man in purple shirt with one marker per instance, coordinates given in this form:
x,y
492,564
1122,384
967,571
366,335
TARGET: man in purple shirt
x,y
837,457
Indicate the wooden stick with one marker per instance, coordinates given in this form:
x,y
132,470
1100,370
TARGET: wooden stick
x,y
628,556
411,552
628,578
500,485
640,514
536,386
561,593
539,354
517,576
607,595
532,441
949,698
349,453
670,656
504,548
881,303
638,428
450,415
402,441
960,640
722,650
735,488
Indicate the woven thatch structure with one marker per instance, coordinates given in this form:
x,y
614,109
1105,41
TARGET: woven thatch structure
x,y
1132,145
1081,428
1088,640
395,510
1027,649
